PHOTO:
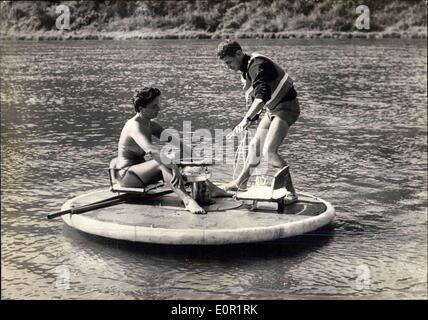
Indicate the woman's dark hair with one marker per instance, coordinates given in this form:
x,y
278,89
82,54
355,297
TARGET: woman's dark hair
x,y
144,96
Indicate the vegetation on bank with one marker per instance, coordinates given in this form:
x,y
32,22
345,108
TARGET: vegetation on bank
x,y
212,19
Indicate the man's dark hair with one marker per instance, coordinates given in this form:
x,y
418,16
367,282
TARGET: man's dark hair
x,y
228,48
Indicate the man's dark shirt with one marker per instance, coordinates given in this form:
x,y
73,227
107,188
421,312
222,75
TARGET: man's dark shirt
x,y
261,72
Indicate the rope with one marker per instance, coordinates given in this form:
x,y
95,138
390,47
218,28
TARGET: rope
x,y
240,151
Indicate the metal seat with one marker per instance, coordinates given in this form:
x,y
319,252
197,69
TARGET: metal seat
x,y
275,192
116,187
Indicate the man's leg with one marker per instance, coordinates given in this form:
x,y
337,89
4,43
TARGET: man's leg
x,y
277,132
253,157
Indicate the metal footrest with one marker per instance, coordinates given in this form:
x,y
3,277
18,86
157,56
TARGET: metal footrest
x,y
118,188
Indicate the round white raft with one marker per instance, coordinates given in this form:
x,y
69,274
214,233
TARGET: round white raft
x,y
164,220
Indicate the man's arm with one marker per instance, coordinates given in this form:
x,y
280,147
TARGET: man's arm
x,y
254,109
256,106
261,72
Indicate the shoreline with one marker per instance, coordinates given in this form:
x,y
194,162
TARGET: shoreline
x,y
175,34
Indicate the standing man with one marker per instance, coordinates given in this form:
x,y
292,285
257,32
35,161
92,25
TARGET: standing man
x,y
266,85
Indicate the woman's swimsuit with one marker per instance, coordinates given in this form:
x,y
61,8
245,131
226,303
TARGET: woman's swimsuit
x,y
131,155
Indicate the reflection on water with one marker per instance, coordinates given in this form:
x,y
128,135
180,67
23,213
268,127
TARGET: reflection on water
x,y
360,143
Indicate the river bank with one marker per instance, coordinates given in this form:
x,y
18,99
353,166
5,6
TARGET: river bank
x,y
419,33
165,19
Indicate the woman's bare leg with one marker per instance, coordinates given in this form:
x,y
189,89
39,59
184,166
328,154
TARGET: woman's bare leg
x,y
188,201
150,172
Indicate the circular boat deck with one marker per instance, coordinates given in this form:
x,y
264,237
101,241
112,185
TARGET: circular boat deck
x,y
164,220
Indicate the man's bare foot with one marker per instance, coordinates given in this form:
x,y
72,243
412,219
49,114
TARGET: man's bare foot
x,y
232,186
217,192
193,206
291,198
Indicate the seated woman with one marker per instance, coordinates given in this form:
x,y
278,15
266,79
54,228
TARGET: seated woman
x,y
136,141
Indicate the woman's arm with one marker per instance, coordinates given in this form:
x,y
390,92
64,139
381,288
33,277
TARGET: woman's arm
x,y
156,129
140,135
185,150
143,140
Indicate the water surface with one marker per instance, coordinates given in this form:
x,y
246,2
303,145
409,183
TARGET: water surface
x,y
360,143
